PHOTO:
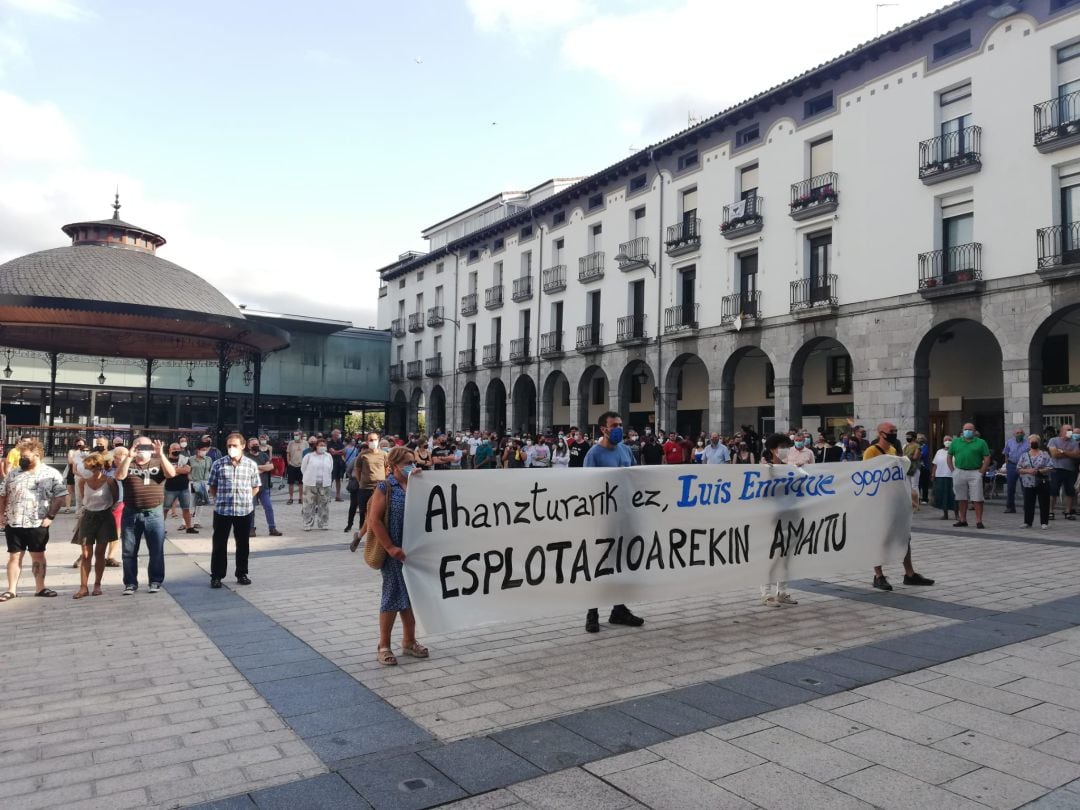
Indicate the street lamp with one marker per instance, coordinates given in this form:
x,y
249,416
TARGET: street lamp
x,y
248,374
7,369
622,258
101,376
190,378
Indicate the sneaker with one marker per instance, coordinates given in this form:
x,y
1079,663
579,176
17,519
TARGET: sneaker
x,y
592,621
1070,515
917,579
770,601
882,584
192,530
785,599
154,587
980,525
1027,525
1046,525
347,529
243,580
620,615
215,582
959,523
1010,512
275,533
129,590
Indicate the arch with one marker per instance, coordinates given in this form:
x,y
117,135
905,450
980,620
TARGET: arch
x,y
747,395
495,405
637,396
555,408
956,380
470,406
417,411
820,386
436,410
687,386
593,395
397,415
1050,370
524,405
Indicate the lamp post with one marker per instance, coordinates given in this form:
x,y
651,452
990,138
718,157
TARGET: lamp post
x,y
622,258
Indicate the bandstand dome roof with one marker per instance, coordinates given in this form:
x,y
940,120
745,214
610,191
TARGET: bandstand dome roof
x,y
109,294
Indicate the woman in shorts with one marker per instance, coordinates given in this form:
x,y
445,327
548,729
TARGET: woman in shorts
x,y
98,495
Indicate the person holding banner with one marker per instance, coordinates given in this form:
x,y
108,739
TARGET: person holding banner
x,y
886,446
389,528
774,594
610,451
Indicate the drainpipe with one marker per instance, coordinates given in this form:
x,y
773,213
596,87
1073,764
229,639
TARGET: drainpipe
x,y
539,231
457,328
658,391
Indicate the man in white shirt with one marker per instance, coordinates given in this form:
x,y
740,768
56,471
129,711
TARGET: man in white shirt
x,y
715,452
473,442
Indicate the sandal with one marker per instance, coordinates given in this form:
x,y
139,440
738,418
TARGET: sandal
x,y
6,595
355,544
386,657
417,650
81,593
47,592
111,563
96,592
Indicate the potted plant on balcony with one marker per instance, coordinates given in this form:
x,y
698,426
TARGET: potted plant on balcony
x,y
964,275
930,282
1072,128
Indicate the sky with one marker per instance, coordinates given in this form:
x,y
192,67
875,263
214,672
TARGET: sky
x,y
287,151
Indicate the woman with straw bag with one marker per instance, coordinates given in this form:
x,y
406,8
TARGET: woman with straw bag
x,y
386,521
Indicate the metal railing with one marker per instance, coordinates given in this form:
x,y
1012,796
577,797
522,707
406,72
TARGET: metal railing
x,y
523,288
742,214
814,292
553,279
681,318
436,315
1057,118
630,328
383,291
953,265
492,354
814,191
519,349
953,150
636,252
414,369
493,297
1058,245
687,232
416,322
744,304
397,327
466,359
468,304
551,344
433,366
591,267
588,336
397,372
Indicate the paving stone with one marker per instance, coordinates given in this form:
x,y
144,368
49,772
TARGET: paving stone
x,y
898,754
496,800
801,754
312,693
739,728
621,762
279,672
995,788
767,690
328,721
805,676
900,661
1059,799
572,789
1000,725
1050,715
1049,692
722,703
705,755
480,765
1023,763
666,786
668,715
986,696
613,729
401,783
891,790
976,673
902,695
918,727
326,792
241,802
775,787
1065,746
860,672
550,746
814,723
355,742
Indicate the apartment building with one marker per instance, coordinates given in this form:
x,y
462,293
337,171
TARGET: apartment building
x,y
894,234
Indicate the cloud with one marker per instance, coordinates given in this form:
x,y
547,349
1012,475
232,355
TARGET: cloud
x,y
34,132
58,9
521,18
12,46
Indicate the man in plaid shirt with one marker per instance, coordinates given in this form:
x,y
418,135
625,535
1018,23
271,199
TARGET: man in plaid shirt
x,y
233,485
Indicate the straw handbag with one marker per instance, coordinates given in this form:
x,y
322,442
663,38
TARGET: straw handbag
x,y
374,553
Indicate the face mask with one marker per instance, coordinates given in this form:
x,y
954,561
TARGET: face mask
x,y
561,436
24,464
200,453
798,445
174,456
947,442
407,469
254,448
616,435
183,445
528,443
311,445
373,445
714,442
1034,445
701,444
296,436
891,437
1076,436
969,434
320,450
144,456
236,452
1019,436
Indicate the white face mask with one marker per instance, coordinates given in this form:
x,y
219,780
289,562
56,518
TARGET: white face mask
x,y
320,449
947,442
236,452
183,445
144,456
374,445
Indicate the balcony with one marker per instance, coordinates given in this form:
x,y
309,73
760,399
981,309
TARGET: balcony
x,y
951,155
416,322
519,351
492,356
436,316
681,319
685,237
397,372
738,308
522,288
634,253
397,327
466,360
414,369
493,297
814,196
551,344
630,330
591,267
383,291
743,218
1059,251
433,366
814,297
588,338
1057,123
553,279
468,304
953,271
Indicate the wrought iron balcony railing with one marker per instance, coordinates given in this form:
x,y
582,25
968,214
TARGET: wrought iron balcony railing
x,y
551,344
683,236
397,327
416,322
954,265
523,288
591,267
743,217
492,355
554,278
519,350
493,297
1057,122
631,329
745,305
468,304
681,318
397,372
951,154
818,291
636,252
814,195
1059,246
433,366
436,316
466,360
414,369
383,291
588,337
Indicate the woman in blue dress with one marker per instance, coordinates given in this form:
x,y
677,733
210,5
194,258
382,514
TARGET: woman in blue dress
x,y
390,494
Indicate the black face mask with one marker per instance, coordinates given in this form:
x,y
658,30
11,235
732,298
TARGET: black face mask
x,y
24,464
1034,445
891,438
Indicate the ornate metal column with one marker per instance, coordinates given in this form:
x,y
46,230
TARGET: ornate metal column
x,y
223,379
53,361
150,365
256,393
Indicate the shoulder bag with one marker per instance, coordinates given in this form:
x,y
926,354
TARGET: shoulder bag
x,y
374,553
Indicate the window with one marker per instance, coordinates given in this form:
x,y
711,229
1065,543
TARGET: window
x,y
770,381
747,135
821,157
947,97
558,219
748,182
419,275
1058,5
438,296
687,161
820,259
595,238
473,281
839,374
418,347
526,263
598,393
818,105
596,201
1055,360
401,284
637,222
958,230
497,274
638,183
498,245
748,267
470,337
557,246
955,44
438,268
474,255
525,233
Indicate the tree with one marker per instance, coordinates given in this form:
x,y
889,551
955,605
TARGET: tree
x,y
364,422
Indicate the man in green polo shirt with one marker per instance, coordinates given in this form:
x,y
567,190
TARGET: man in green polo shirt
x,y
969,459
485,456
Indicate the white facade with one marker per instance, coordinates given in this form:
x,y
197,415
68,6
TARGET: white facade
x,y
915,84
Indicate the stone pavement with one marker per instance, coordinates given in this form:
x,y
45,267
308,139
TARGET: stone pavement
x,y
966,694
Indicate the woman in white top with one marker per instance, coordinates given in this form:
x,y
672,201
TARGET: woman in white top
x,y
561,456
97,527
941,478
317,470
537,455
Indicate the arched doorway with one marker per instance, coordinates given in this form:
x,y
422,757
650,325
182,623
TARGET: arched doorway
x,y
821,387
555,405
397,416
524,402
748,398
637,396
958,379
1054,381
495,405
417,412
592,398
436,410
470,406
688,391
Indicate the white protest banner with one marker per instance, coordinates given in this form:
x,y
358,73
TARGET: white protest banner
x,y
508,545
